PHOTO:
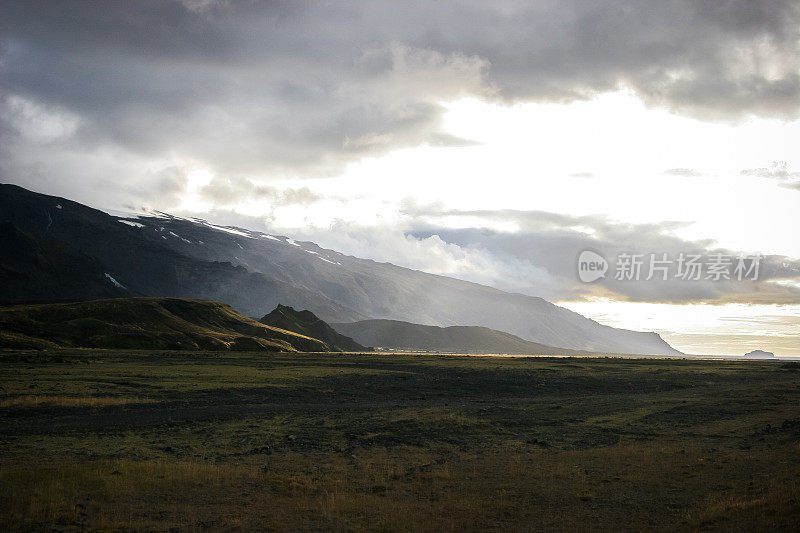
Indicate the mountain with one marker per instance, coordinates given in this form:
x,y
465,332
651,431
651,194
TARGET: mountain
x,y
143,323
36,269
142,263
454,339
163,255
308,324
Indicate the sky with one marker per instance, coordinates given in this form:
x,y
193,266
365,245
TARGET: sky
x,y
492,142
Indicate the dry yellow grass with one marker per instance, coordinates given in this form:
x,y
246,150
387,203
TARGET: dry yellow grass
x,y
352,443
406,489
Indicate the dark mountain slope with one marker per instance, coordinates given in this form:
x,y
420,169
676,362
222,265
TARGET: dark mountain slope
x,y
33,269
143,323
169,256
456,339
141,261
383,290
308,324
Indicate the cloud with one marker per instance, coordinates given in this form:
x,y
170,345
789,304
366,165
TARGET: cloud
x,y
709,60
285,89
394,244
782,323
553,242
539,258
118,103
244,89
687,172
168,185
431,254
232,191
776,170
445,139
200,6
25,119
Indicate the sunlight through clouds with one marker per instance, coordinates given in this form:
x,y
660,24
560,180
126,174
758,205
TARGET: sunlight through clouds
x,y
487,142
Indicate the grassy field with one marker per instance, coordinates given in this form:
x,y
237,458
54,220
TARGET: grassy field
x,y
193,441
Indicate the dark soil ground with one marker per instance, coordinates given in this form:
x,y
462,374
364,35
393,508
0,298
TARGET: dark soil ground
x,y
117,440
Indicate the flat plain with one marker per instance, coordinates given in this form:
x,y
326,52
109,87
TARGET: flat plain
x,y
189,441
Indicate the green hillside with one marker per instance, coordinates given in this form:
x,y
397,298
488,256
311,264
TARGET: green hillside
x,y
144,323
307,323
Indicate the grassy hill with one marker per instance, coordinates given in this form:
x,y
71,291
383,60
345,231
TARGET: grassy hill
x,y
459,339
307,323
144,323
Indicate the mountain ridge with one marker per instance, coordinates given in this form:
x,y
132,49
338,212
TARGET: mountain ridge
x,y
399,335
307,323
254,271
144,323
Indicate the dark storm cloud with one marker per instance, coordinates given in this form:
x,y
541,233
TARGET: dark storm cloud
x,y
713,59
295,87
553,242
242,87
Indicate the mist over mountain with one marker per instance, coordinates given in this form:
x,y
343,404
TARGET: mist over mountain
x,y
141,263
163,255
399,335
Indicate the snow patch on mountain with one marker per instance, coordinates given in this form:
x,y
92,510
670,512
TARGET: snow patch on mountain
x,y
130,223
232,231
115,282
179,237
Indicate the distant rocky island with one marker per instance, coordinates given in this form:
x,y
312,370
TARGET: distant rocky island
x,y
759,354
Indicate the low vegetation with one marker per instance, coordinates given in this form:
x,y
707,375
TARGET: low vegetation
x,y
307,323
143,323
398,335
220,441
